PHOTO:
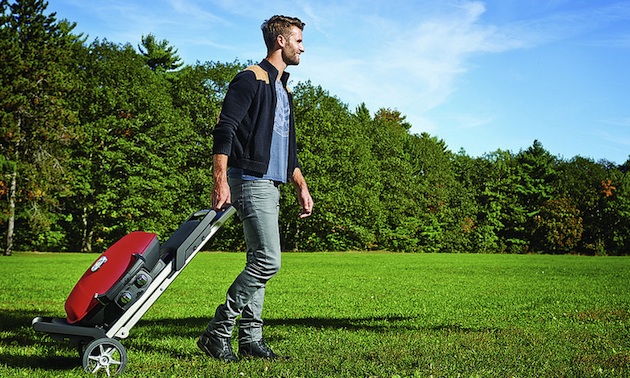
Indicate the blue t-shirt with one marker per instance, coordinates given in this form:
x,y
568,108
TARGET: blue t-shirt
x,y
279,157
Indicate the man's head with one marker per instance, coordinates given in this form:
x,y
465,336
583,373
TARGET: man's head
x,y
281,32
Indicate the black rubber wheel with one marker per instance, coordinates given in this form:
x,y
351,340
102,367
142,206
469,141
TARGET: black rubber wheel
x,y
105,355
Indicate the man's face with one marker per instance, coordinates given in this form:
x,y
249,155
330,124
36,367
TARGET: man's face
x,y
293,47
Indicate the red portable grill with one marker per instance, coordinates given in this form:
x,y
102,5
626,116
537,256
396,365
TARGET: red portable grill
x,y
121,286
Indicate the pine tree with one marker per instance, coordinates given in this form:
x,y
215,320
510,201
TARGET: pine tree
x,y
159,55
36,121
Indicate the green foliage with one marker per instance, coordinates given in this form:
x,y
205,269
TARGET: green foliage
x,y
139,152
341,175
99,139
582,182
558,226
37,55
159,56
616,214
354,314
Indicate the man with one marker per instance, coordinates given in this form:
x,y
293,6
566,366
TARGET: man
x,y
255,138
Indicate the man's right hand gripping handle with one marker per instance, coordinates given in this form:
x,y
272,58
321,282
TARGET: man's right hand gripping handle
x,y
221,190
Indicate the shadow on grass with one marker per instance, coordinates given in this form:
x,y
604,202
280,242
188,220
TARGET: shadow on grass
x,y
373,324
20,340
22,347
192,327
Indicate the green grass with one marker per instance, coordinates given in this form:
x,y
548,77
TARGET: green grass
x,y
354,315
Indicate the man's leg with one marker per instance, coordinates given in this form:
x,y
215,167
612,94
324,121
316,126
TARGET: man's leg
x,y
262,236
257,204
251,323
250,335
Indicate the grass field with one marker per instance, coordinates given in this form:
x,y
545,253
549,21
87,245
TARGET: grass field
x,y
354,315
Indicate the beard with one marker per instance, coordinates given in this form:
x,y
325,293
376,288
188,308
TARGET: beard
x,y
291,57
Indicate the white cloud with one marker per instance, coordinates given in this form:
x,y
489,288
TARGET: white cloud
x,y
410,64
413,62
560,25
468,121
191,10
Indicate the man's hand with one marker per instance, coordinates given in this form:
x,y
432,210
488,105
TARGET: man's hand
x,y
221,190
303,195
305,200
220,196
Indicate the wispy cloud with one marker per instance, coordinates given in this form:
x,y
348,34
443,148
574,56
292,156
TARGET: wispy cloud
x,y
414,61
410,63
472,121
559,25
191,10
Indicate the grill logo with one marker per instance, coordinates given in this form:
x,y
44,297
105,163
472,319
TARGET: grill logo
x,y
98,264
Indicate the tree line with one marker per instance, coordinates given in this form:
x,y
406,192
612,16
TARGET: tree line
x,y
99,139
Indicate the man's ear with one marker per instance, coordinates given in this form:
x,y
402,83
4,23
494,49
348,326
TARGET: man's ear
x,y
281,41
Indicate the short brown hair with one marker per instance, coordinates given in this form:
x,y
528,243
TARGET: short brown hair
x,y
278,25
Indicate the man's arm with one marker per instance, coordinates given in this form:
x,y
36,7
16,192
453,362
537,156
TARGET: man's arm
x,y
221,189
303,195
236,103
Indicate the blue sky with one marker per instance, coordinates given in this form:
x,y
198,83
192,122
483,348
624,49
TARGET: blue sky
x,y
480,75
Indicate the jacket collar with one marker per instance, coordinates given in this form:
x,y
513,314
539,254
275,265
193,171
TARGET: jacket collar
x,y
273,72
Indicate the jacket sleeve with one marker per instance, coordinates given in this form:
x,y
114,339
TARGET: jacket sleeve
x,y
237,102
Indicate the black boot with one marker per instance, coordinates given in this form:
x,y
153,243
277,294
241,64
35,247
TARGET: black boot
x,y
256,349
217,347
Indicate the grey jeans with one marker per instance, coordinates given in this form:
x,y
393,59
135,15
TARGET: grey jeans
x,y
257,204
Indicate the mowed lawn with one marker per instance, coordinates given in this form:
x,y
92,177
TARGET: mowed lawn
x,y
354,315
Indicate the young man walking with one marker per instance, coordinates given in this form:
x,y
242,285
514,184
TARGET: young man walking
x,y
254,152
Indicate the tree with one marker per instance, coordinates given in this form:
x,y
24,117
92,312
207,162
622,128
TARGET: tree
x,y
390,145
558,226
447,210
137,151
342,177
481,222
36,76
538,176
517,186
582,183
159,55
615,194
498,200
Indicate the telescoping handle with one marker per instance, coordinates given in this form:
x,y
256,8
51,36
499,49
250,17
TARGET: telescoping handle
x,y
193,234
217,214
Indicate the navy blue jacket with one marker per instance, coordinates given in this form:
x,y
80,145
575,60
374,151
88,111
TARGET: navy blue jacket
x,y
245,124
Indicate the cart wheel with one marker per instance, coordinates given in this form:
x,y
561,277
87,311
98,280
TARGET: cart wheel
x,y
105,354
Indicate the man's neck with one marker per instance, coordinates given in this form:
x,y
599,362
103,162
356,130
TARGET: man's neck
x,y
276,60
